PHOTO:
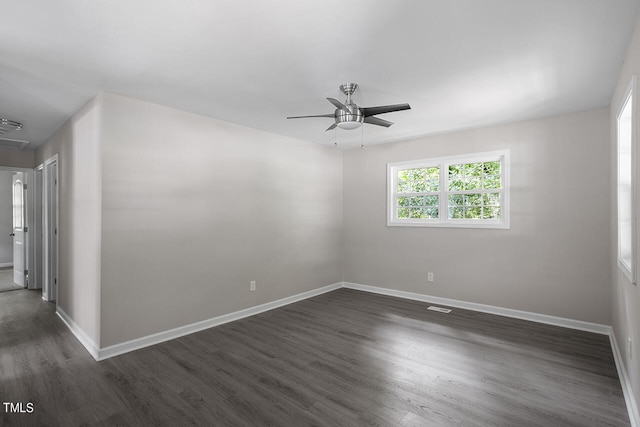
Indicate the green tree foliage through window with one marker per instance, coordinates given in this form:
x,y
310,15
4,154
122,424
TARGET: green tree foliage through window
x,y
418,193
470,186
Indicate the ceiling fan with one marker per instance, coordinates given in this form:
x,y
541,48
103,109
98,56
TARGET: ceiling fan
x,y
350,116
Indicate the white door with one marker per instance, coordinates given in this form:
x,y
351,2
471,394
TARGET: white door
x,y
18,229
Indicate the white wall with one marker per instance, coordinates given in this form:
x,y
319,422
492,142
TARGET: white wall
x,y
555,258
626,296
6,217
194,208
77,144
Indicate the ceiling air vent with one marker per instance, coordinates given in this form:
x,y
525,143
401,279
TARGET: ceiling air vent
x,y
8,126
15,144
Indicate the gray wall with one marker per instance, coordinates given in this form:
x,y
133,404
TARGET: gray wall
x,y
626,296
6,217
163,226
195,208
555,258
77,144
17,158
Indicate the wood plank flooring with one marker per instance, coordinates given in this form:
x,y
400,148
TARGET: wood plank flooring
x,y
6,280
345,358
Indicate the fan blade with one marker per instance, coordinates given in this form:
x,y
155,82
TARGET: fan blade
x,y
372,111
305,117
377,121
333,126
337,104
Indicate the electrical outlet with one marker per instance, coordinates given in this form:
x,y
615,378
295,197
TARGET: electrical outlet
x,y
252,285
429,277
629,347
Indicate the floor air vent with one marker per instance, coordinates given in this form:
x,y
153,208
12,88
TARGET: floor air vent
x,y
440,309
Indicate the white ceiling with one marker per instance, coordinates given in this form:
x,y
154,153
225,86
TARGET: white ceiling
x,y
459,63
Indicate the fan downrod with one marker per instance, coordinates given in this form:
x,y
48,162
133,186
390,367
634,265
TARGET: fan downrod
x,y
348,88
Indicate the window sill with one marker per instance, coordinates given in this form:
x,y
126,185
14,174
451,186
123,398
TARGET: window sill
x,y
450,224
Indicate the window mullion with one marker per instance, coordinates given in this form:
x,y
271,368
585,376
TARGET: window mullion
x,y
444,193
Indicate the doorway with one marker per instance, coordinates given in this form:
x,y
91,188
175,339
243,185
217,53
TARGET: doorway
x,y
19,188
16,225
36,210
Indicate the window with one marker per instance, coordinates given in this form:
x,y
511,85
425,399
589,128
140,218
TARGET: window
x,y
626,184
18,205
461,191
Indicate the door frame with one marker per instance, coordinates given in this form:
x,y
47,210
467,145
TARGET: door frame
x,y
38,223
50,235
29,204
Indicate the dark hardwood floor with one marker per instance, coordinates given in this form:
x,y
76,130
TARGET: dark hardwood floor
x,y
345,358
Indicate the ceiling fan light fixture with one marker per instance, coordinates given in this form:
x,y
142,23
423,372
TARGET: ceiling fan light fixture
x,y
349,119
349,125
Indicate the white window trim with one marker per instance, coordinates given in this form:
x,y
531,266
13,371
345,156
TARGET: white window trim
x,y
443,163
628,270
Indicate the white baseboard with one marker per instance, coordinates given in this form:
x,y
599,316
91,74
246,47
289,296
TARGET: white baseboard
x,y
79,333
138,343
114,350
6,264
507,312
634,415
